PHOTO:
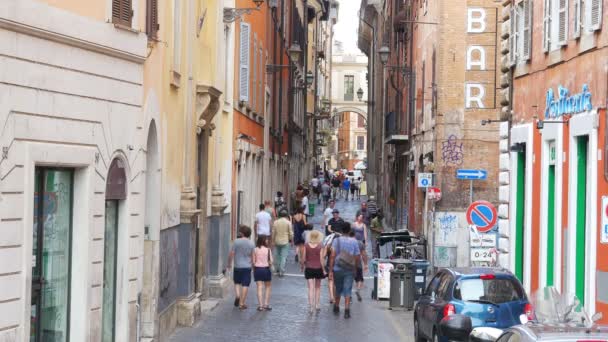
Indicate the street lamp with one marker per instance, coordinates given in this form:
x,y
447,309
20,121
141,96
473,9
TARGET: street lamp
x,y
294,51
309,78
232,14
384,52
360,94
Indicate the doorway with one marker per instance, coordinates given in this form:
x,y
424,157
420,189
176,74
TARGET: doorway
x,y
51,255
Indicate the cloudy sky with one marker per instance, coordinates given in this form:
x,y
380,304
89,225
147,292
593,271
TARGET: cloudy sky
x,y
347,25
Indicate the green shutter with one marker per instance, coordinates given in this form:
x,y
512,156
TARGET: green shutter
x,y
551,226
581,215
520,205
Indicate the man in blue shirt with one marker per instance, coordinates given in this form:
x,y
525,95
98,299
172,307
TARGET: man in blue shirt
x,y
346,187
343,262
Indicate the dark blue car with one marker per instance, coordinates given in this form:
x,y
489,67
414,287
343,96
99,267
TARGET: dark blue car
x,y
492,297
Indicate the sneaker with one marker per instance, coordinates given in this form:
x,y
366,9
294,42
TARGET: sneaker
x,y
358,295
336,309
347,313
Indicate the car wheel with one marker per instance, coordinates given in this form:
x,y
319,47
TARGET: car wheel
x,y
417,336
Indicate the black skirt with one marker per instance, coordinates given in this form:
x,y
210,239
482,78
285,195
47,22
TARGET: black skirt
x,y
262,274
313,273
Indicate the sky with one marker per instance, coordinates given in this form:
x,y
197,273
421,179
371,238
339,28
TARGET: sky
x,y
348,24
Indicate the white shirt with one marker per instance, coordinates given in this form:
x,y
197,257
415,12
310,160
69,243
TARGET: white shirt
x,y
263,219
314,182
305,204
327,215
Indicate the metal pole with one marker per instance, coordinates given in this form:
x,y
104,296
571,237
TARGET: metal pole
x,y
471,192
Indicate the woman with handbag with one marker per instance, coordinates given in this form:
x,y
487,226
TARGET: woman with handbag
x,y
313,254
343,261
262,259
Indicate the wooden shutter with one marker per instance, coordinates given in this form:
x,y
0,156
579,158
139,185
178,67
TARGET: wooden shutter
x,y
563,22
244,63
122,12
527,32
254,95
577,21
152,19
596,15
513,30
547,26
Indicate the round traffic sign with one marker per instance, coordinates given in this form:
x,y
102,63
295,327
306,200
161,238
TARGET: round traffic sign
x,y
425,182
483,215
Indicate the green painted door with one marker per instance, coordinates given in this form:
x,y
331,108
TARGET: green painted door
x,y
520,205
551,226
109,271
582,144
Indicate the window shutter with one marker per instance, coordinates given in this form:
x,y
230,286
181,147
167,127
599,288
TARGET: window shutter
x,y
527,33
122,12
513,27
152,19
244,63
563,22
547,26
577,19
254,94
596,14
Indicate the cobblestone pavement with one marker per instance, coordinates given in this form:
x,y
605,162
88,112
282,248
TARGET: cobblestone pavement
x,y
290,321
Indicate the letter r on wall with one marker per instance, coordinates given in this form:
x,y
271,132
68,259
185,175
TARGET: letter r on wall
x,y
477,97
476,22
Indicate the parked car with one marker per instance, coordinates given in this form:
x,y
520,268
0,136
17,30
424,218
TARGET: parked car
x,y
354,174
490,297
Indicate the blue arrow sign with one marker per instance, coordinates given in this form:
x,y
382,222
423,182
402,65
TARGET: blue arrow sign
x,y
471,174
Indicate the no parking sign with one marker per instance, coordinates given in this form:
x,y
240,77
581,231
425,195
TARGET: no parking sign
x,y
483,215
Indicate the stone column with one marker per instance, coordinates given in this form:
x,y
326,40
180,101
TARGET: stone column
x,y
218,241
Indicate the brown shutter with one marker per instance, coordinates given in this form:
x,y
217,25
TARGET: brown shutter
x,y
152,19
122,12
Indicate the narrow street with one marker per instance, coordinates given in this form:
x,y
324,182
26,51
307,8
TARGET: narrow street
x,y
290,321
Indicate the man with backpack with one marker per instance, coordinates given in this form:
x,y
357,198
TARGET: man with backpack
x,y
344,259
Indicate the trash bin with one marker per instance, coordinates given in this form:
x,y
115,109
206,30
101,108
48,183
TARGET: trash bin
x,y
311,209
402,286
381,269
420,268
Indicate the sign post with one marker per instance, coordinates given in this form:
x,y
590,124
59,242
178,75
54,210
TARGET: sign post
x,y
471,175
483,215
425,180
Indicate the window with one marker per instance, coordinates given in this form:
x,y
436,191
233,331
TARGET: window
x,y
555,24
152,19
244,62
255,72
489,290
349,88
122,12
360,143
360,121
587,16
432,288
520,40
177,28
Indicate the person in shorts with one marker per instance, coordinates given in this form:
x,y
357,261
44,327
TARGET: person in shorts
x,y
262,259
361,267
241,254
313,255
343,261
326,193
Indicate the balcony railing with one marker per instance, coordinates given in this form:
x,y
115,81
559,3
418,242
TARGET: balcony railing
x,y
395,131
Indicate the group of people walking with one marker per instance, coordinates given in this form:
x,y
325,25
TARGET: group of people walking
x,y
338,255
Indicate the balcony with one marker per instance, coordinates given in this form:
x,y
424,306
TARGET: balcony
x,y
394,130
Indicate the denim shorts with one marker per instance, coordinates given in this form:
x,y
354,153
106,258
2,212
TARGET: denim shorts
x,y
262,274
343,281
242,276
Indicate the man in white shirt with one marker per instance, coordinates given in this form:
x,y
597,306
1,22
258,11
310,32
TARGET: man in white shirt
x,y
262,222
327,214
305,203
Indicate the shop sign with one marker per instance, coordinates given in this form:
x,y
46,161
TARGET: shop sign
x,y
566,104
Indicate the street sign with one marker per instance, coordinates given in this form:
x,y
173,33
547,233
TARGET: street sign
x,y
483,215
604,226
481,254
483,240
471,174
434,193
425,180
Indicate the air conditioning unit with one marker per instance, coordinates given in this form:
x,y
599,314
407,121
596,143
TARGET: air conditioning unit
x,y
273,3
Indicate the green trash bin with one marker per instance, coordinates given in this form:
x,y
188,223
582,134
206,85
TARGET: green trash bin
x,y
311,209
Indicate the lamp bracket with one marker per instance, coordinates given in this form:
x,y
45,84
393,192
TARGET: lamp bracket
x,y
233,14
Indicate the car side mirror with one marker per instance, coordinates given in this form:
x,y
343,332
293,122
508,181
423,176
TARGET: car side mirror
x,y
456,327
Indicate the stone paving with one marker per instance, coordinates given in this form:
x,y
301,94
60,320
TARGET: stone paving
x,y
290,321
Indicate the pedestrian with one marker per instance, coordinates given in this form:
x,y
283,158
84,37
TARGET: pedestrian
x,y
358,187
298,196
282,237
335,183
343,261
279,202
365,212
262,222
326,192
262,259
372,207
353,189
327,213
314,184
376,229
327,241
359,229
241,254
345,187
334,225
313,255
361,267
269,209
298,222
304,205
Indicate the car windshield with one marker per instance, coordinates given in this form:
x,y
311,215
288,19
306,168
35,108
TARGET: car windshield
x,y
491,291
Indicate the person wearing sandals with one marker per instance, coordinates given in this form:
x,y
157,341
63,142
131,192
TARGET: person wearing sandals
x,y
313,254
282,237
262,259
343,261
361,267
299,223
242,255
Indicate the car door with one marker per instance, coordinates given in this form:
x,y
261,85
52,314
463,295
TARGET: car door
x,y
430,296
440,300
423,302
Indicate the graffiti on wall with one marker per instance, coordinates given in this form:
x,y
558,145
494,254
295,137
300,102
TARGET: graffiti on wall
x,y
447,225
452,151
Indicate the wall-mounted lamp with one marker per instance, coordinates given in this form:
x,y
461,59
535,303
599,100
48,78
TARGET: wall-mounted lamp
x,y
540,124
294,51
233,14
518,147
384,52
309,78
360,94
489,121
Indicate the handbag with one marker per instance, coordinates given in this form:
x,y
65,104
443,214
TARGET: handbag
x,y
346,261
270,265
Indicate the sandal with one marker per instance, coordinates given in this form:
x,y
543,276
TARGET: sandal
x,y
243,307
260,308
236,302
268,308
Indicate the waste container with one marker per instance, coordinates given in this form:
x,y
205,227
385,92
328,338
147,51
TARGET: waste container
x,y
402,286
420,269
381,269
311,209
